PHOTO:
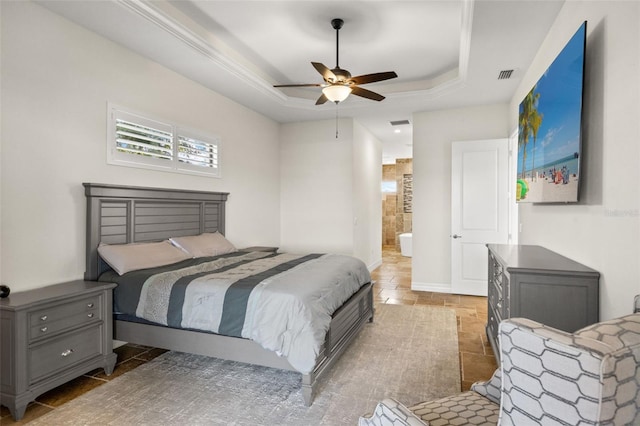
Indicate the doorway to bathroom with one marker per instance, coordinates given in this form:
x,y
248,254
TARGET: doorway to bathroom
x,y
397,206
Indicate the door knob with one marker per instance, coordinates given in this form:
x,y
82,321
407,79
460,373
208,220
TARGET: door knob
x,y
456,236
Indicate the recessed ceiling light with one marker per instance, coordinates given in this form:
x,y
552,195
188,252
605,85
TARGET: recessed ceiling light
x,y
397,131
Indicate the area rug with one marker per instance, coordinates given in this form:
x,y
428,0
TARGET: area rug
x,y
409,353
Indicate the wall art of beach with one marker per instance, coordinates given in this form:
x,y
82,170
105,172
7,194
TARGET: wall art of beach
x,y
549,125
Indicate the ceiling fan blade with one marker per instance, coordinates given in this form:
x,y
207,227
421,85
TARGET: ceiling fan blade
x,y
322,99
359,91
327,74
298,85
372,78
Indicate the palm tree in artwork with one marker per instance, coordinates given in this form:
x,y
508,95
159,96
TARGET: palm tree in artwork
x,y
523,133
536,121
528,120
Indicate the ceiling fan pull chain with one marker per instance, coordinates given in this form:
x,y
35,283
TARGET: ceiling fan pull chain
x,y
337,103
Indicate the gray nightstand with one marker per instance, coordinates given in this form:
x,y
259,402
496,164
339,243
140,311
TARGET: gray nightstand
x,y
51,335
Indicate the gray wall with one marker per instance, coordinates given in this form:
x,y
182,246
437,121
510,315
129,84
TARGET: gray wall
x,y
57,78
330,189
433,133
603,230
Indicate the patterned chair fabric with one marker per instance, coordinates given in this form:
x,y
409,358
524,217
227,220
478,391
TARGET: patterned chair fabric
x,y
586,378
390,412
467,408
479,406
546,377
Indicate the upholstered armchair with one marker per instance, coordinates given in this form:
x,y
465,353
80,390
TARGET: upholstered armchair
x,y
478,406
546,376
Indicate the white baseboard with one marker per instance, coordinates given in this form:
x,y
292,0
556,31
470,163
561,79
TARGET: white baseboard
x,y
434,287
443,288
374,265
118,343
481,292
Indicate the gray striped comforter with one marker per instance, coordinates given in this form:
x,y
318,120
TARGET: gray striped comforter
x,y
284,302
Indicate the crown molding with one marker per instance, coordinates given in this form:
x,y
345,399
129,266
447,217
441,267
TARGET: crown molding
x,y
153,13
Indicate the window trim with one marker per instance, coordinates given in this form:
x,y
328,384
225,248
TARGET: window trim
x,y
177,132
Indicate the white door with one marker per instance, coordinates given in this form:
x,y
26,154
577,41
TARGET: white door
x,y
479,210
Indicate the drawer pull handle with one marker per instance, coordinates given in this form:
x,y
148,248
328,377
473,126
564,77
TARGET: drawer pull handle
x,y
89,305
44,329
90,315
43,318
67,352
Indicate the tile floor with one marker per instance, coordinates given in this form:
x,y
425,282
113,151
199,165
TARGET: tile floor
x,y
393,285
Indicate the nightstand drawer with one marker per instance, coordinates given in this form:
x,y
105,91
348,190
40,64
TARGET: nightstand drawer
x,y
47,321
66,351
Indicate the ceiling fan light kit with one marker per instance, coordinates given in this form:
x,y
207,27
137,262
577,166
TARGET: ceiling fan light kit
x,y
337,92
338,82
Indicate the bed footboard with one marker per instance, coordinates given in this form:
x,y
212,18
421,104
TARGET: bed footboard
x,y
345,326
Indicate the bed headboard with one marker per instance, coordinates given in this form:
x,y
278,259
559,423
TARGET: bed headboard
x,y
128,214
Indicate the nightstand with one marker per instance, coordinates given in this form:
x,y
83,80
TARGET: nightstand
x,y
51,335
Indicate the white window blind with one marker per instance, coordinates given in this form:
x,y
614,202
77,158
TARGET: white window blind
x,y
195,152
137,141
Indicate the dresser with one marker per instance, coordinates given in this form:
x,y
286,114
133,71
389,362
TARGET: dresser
x,y
51,335
536,283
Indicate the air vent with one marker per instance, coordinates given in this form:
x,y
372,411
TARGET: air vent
x,y
505,74
399,122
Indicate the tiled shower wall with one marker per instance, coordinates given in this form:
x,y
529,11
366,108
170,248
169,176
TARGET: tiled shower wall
x,y
389,208
397,208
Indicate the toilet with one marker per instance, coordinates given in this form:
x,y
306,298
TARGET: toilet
x,y
405,244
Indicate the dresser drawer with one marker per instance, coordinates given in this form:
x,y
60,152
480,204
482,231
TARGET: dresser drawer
x,y
51,320
506,297
495,266
495,300
65,351
493,321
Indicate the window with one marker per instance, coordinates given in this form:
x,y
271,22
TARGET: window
x,y
389,186
137,141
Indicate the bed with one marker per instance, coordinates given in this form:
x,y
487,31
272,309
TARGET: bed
x,y
125,214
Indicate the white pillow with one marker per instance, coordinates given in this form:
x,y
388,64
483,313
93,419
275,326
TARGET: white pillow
x,y
204,244
131,257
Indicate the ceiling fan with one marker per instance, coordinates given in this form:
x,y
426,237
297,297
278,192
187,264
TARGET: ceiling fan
x,y
338,82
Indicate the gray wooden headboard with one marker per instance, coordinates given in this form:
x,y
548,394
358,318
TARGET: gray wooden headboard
x,y
129,214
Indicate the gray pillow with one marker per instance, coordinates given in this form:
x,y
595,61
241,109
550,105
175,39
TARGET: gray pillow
x,y
204,244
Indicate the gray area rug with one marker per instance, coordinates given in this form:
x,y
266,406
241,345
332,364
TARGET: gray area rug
x,y
409,353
